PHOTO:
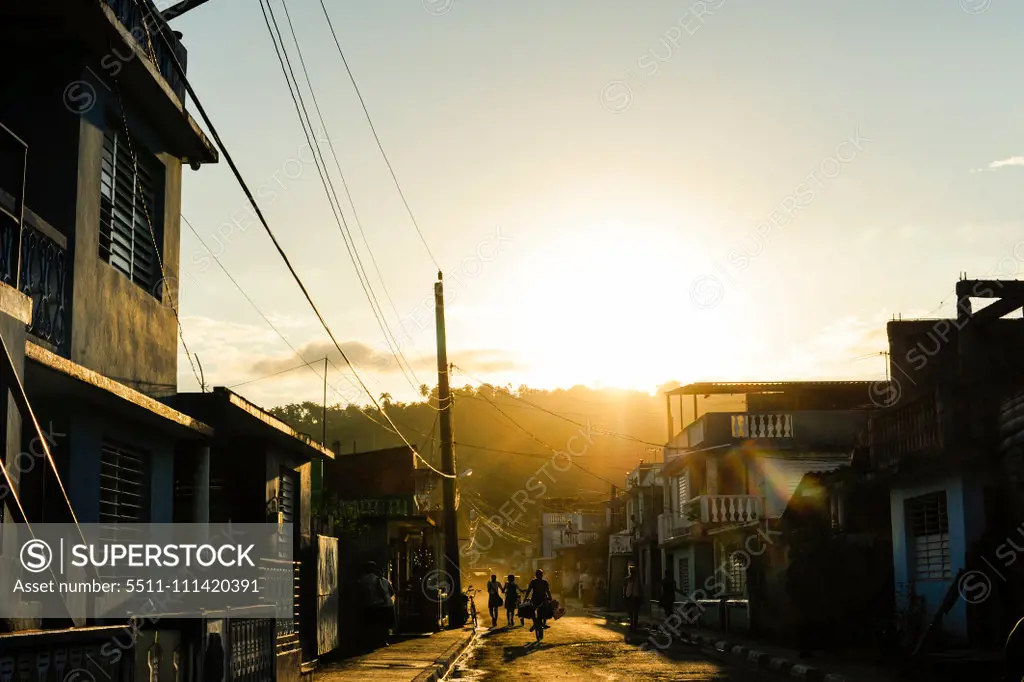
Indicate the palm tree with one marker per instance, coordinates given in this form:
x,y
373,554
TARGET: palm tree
x,y
385,398
424,390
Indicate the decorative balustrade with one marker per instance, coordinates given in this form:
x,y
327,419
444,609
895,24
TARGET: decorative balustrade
x,y
755,425
738,509
673,525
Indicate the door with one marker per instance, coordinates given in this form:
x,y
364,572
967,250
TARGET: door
x,y
327,595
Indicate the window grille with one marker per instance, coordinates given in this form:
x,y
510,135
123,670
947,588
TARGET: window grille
x,y
928,526
128,204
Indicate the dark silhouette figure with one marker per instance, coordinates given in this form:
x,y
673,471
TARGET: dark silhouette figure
x,y
213,659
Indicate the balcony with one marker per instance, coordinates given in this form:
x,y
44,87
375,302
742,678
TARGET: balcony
x,y
34,256
142,19
710,512
815,428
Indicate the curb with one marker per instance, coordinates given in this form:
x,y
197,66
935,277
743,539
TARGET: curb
x,y
762,659
444,662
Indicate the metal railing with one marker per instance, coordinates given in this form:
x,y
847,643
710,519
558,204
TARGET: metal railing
x,y
33,255
143,20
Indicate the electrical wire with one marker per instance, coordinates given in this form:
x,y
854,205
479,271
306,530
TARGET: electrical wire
x,y
376,137
341,174
269,376
604,432
180,70
328,184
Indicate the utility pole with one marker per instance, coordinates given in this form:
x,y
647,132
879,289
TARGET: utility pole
x,y
456,610
323,440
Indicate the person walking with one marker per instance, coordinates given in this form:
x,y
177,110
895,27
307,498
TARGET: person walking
x,y
668,592
631,590
539,594
586,589
494,590
378,606
513,595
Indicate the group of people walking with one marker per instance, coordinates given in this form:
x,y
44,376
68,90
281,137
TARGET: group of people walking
x,y
536,602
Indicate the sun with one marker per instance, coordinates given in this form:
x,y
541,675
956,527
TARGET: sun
x,y
608,305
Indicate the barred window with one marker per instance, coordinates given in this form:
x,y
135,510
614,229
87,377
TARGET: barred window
x,y
736,572
684,576
129,205
928,528
123,483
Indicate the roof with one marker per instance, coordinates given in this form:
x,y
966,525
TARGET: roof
x,y
231,413
736,388
50,374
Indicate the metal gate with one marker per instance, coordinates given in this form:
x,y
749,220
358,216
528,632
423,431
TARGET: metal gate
x,y
251,642
327,595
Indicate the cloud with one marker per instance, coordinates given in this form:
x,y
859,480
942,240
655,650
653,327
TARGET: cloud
x,y
1002,163
367,358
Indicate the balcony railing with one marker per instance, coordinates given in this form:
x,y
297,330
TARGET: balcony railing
x,y
762,425
33,255
673,525
710,510
142,19
916,428
727,509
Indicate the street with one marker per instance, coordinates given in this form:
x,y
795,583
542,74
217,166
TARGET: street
x,y
582,647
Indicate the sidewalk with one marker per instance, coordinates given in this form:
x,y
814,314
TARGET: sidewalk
x,y
422,658
824,667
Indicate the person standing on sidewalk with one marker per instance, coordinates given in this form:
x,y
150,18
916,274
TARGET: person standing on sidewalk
x,y
668,592
631,590
586,589
378,606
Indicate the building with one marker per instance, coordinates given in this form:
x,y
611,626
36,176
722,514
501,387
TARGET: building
x,y
731,466
566,525
385,507
260,471
93,139
946,440
643,501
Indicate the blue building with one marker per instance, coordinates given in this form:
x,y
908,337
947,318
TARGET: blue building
x,y
94,139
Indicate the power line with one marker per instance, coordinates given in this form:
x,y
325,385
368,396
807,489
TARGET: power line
x,y
325,177
180,70
341,174
269,376
376,137
605,432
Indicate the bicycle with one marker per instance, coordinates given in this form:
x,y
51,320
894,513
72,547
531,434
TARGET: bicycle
x,y
471,594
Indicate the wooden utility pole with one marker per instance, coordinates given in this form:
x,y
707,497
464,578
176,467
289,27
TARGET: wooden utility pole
x,y
323,439
456,614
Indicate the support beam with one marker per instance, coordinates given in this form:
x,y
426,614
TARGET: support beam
x,y
1000,308
177,10
990,288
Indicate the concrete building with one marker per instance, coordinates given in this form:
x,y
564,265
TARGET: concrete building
x,y
947,439
729,475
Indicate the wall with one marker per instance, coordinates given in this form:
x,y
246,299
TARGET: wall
x,y
934,591
86,429
118,328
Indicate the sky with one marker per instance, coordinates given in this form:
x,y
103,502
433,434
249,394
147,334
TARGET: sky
x,y
618,194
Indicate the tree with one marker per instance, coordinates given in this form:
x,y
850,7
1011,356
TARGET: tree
x,y
385,399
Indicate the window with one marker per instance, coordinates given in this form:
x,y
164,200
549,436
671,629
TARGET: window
x,y
123,483
928,527
737,573
129,204
684,488
684,576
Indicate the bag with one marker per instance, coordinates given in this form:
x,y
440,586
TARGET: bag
x,y
547,610
526,611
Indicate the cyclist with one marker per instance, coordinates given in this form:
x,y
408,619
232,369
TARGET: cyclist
x,y
539,594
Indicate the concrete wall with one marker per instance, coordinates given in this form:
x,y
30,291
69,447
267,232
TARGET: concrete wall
x,y
963,496
118,328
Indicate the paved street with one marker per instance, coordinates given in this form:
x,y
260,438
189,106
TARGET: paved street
x,y
581,647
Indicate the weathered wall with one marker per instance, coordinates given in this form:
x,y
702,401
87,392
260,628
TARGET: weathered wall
x,y
118,328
